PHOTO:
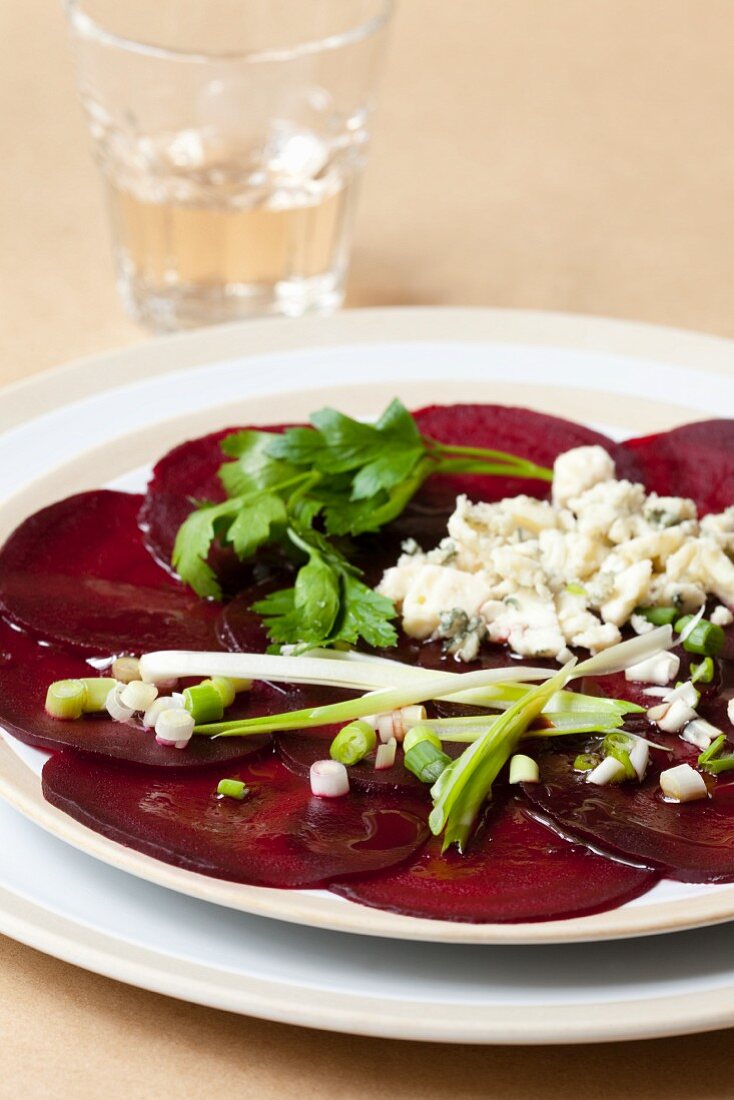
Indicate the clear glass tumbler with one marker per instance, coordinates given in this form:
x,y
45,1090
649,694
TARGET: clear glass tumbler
x,y
231,135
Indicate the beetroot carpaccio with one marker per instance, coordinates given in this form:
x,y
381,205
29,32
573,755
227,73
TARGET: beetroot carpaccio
x,y
89,579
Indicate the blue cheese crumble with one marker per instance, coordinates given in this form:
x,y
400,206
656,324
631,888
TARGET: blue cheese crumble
x,y
540,576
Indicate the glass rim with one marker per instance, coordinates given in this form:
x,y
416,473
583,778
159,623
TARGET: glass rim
x,y
86,26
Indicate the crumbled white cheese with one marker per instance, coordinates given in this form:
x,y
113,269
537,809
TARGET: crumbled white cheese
x,y
543,576
721,616
578,470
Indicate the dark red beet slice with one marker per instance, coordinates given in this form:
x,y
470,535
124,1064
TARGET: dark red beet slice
x,y
530,435
695,460
278,836
691,842
26,670
518,870
77,574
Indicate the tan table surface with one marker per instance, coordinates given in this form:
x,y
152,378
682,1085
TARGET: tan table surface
x,y
560,154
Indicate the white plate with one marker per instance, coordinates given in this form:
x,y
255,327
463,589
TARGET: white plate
x,y
586,384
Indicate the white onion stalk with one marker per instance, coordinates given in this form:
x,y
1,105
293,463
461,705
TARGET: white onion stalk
x,y
687,692
700,733
609,770
163,702
138,695
397,723
385,757
174,728
329,779
672,717
659,669
640,757
115,707
523,769
683,784
621,656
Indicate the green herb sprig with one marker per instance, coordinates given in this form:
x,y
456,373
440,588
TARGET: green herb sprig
x,y
309,489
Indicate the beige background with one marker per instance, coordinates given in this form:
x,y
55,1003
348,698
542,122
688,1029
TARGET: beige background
x,y
561,154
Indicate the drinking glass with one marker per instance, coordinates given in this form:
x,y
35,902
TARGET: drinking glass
x,y
231,136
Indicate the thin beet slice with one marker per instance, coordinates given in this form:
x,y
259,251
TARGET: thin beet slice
x,y
518,870
691,841
279,835
26,670
695,460
531,435
77,574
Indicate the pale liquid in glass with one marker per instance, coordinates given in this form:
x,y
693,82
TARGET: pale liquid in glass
x,y
200,237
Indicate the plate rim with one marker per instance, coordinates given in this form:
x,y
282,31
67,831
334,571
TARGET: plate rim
x,y
131,450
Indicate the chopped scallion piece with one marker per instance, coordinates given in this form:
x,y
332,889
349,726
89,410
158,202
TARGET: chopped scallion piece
x,y
232,788
420,733
98,688
702,672
65,699
713,750
353,743
720,764
706,638
426,762
204,702
225,687
523,769
659,616
126,669
586,762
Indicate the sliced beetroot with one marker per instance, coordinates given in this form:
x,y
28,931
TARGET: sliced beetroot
x,y
695,460
518,870
26,670
691,842
532,435
77,574
279,835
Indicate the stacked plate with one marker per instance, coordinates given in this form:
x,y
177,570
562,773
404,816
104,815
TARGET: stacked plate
x,y
308,957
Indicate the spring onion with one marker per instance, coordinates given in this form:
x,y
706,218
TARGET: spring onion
x,y
115,706
421,732
640,757
329,779
700,733
426,762
523,769
225,687
353,743
467,782
659,616
711,760
703,672
609,770
204,702
385,755
618,746
586,762
97,688
706,638
174,728
137,695
683,784
126,669
163,702
65,699
659,669
232,788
